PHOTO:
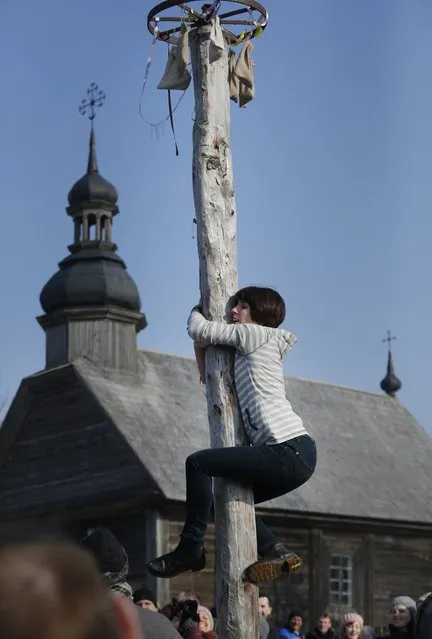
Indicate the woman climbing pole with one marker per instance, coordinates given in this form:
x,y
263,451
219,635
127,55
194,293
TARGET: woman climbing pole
x,y
281,455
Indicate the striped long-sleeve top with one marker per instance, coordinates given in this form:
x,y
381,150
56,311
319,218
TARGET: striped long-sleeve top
x,y
267,414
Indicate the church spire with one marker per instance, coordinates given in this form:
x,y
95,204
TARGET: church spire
x,y
92,166
92,199
390,384
92,293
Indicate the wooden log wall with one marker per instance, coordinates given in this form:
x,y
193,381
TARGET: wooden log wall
x,y
383,566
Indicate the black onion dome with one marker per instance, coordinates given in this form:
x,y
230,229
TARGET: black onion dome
x,y
92,277
92,187
390,384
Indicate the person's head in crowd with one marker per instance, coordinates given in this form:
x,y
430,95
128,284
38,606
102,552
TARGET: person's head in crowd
x,y
351,626
206,621
422,598
111,559
295,621
324,623
145,598
265,608
193,615
402,612
53,590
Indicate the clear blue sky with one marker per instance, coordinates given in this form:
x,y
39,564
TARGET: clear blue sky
x,y
333,165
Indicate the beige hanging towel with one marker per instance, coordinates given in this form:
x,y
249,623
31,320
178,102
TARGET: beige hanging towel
x,y
217,41
232,78
176,75
244,73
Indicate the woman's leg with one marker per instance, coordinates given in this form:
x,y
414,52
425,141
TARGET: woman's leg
x,y
277,467
234,463
300,460
280,468
239,464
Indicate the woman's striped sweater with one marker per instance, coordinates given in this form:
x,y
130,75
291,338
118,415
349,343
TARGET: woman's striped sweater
x,y
267,414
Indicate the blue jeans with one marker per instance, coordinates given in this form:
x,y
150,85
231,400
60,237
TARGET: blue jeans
x,y
270,470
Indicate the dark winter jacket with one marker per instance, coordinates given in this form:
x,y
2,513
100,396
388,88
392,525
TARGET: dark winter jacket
x,y
398,633
273,633
316,634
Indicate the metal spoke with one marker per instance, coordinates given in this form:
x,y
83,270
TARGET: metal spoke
x,y
191,16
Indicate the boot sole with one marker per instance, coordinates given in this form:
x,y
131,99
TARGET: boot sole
x,y
266,570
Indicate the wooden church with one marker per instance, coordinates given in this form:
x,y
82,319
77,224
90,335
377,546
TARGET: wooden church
x,y
99,437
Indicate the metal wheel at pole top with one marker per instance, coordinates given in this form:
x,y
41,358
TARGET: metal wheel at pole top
x,y
247,21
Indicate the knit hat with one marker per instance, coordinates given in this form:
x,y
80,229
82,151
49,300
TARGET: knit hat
x,y
122,589
351,617
409,604
144,593
111,558
295,613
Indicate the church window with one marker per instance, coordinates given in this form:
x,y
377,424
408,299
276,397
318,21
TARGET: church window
x,y
341,581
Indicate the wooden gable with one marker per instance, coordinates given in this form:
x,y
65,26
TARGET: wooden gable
x,y
60,450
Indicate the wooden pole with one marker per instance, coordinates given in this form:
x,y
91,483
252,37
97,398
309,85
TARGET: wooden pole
x,y
213,187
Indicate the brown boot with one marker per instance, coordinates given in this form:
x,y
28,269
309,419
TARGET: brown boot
x,y
274,563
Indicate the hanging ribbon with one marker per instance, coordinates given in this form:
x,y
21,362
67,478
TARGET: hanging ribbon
x,y
171,117
149,61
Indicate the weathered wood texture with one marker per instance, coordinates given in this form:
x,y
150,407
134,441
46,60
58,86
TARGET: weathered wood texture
x,y
109,343
70,451
213,186
287,593
401,566
383,566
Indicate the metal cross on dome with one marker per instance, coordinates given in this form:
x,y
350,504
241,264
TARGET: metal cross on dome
x,y
389,338
96,98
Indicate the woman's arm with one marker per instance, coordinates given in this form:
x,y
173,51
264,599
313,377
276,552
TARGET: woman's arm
x,y
200,360
215,333
243,337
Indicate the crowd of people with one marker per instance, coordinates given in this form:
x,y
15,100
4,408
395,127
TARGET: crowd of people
x,y
57,589
401,622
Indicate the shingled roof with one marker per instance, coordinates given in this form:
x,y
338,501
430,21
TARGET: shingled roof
x,y
373,457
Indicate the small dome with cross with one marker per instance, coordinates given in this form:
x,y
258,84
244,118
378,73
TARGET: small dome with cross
x,y
92,187
390,384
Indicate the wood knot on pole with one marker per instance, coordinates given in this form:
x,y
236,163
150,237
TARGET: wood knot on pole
x,y
213,164
217,409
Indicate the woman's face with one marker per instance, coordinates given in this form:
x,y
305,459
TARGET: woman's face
x,y
399,616
205,623
146,603
241,313
353,630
